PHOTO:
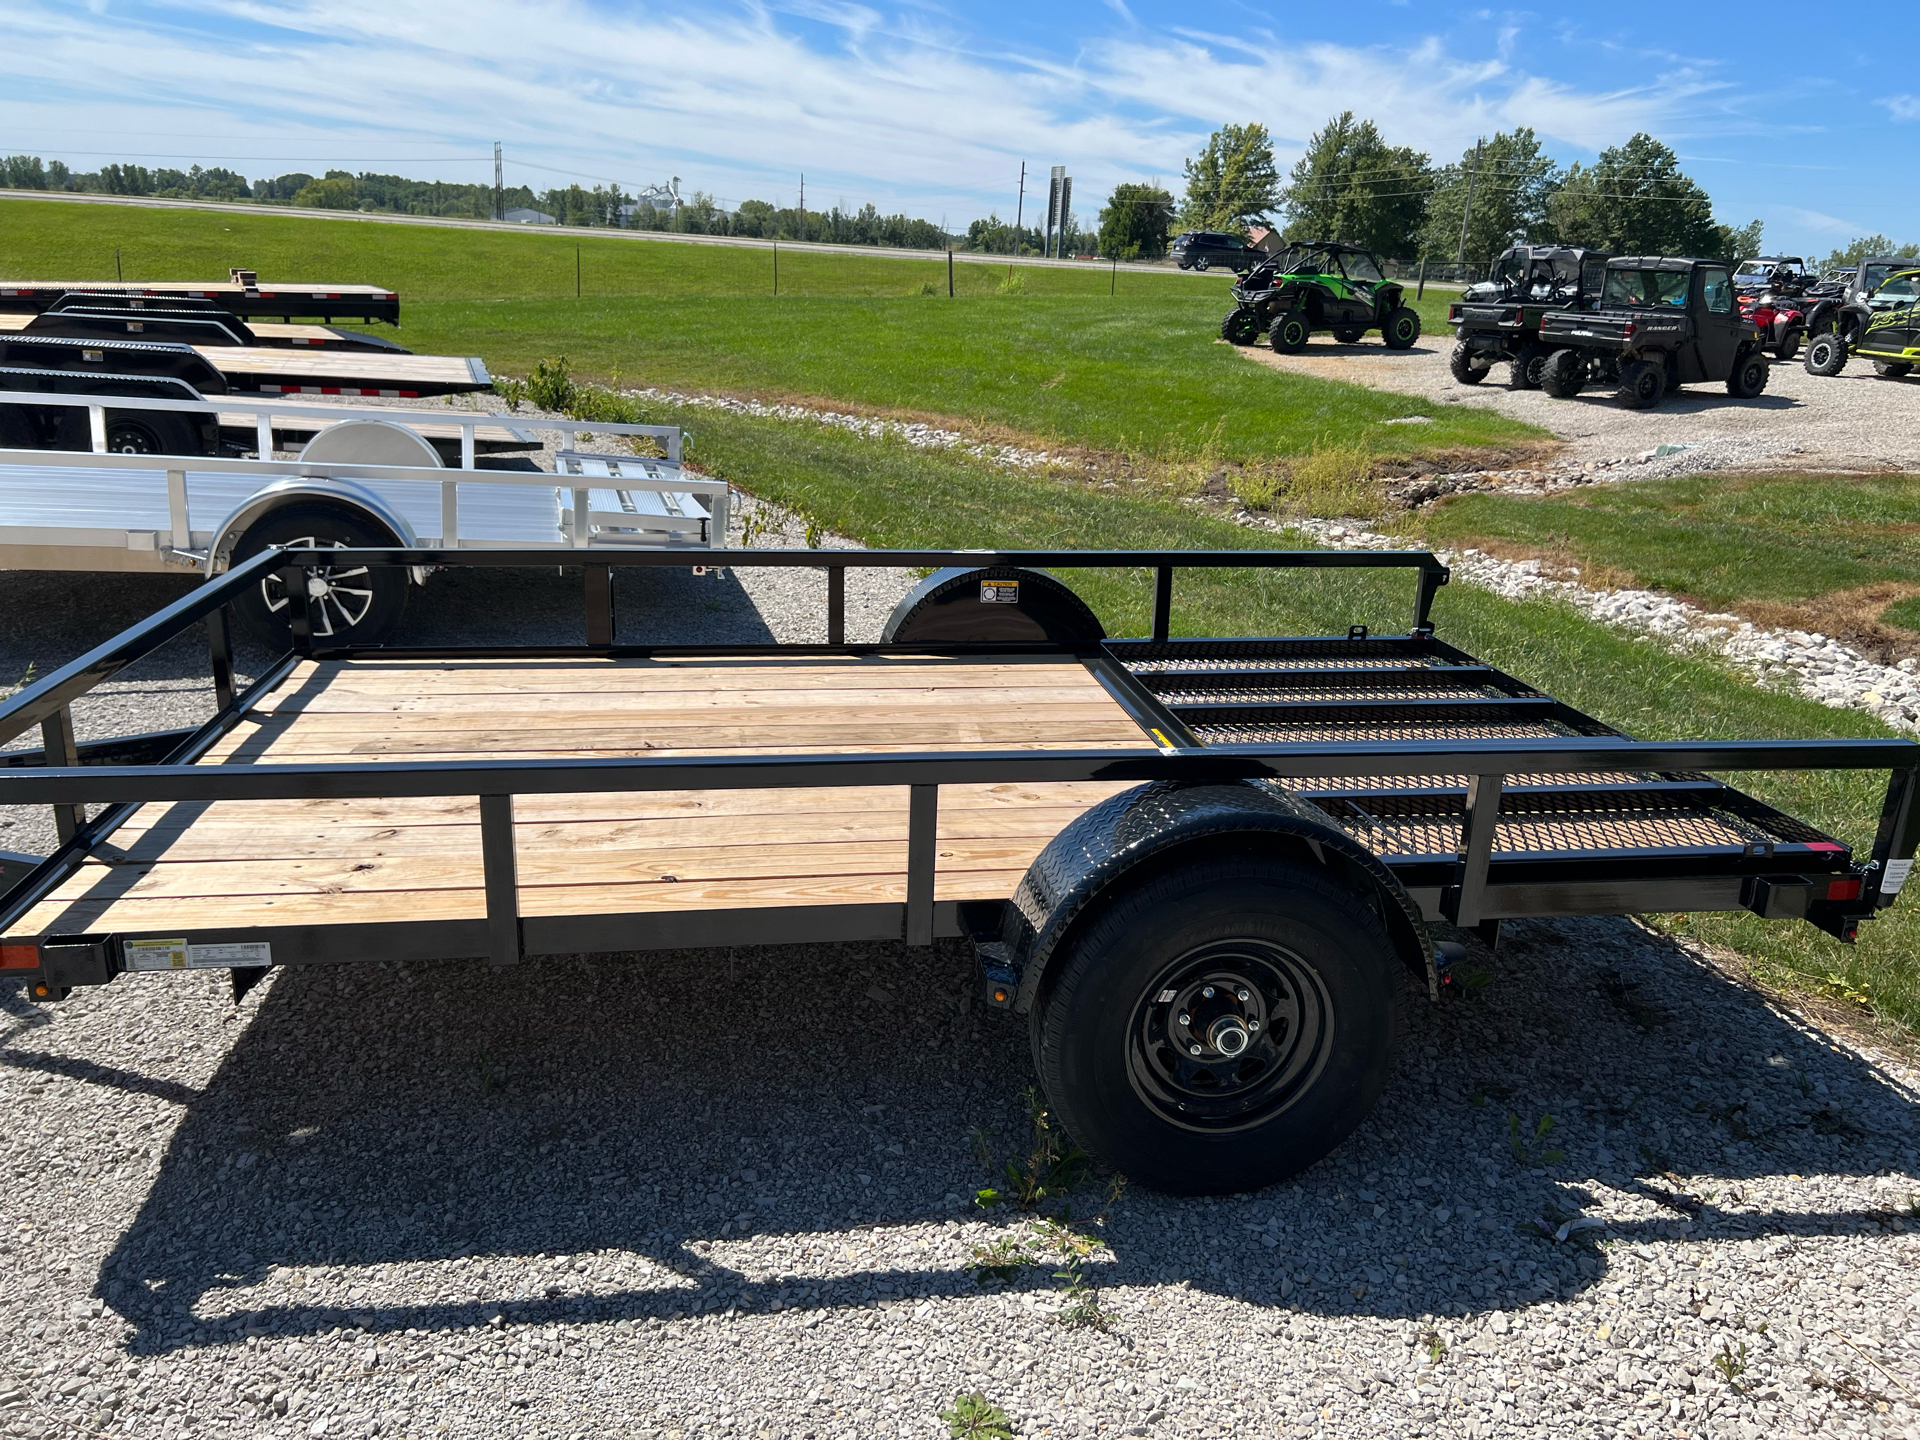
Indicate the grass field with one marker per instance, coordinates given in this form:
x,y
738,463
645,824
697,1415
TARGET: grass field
x,y
1064,362
1851,544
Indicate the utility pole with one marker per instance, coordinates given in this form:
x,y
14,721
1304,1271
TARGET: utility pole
x,y
1473,179
1019,212
499,185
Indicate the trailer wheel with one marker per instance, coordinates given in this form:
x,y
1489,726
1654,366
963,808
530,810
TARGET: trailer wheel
x,y
1290,333
1220,1026
1749,376
130,432
1402,328
1643,384
1468,366
1826,354
1241,327
1524,372
1564,374
1892,369
1349,334
354,605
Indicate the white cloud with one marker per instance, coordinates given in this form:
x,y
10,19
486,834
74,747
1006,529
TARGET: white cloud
x,y
897,106
1903,107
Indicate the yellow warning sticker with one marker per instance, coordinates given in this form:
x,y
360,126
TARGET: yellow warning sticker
x,y
999,592
156,954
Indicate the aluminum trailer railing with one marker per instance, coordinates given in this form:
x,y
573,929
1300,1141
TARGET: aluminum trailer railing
x,y
1195,863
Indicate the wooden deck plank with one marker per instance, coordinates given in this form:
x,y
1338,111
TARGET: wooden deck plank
x,y
242,864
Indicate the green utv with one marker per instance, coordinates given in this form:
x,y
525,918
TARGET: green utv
x,y
1317,285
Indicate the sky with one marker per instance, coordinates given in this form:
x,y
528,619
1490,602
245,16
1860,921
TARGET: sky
x,y
931,106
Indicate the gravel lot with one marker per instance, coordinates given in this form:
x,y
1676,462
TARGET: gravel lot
x,y
1852,420
420,1200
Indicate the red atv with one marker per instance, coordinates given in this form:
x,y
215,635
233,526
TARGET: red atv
x,y
1780,312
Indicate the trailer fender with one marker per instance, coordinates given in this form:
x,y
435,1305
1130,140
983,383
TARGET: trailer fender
x,y
348,494
992,603
1139,830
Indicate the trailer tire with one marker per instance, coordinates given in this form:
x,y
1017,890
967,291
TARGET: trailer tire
x,y
1524,372
361,606
1325,988
1826,354
1564,374
1749,377
1402,328
1892,369
1467,365
1241,326
130,432
1290,333
1349,334
1643,385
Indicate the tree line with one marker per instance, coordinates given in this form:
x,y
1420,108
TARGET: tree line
x,y
606,206
1351,185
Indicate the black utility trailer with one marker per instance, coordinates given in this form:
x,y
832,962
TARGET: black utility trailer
x,y
242,294
1205,870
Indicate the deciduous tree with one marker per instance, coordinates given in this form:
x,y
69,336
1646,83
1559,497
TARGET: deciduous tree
x,y
1354,187
1232,181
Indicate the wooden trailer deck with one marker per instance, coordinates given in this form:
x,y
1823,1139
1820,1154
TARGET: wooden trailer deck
x,y
314,371
233,864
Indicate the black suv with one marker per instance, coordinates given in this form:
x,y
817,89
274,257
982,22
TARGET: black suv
x,y
1203,249
1499,318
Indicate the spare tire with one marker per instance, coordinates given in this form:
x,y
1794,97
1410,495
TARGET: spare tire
x,y
993,604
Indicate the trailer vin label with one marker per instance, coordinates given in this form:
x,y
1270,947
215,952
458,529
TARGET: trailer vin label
x,y
999,592
179,955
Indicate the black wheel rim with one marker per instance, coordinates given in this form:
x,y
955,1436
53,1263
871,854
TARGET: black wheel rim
x,y
126,439
1647,386
1403,331
1260,1021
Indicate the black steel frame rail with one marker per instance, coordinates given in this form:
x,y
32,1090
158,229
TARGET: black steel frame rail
x,y
70,786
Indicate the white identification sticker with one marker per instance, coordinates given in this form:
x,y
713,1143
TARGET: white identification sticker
x,y
999,592
156,954
1897,872
220,957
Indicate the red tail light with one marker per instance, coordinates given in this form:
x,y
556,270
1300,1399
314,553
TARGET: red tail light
x,y
1627,333
1843,890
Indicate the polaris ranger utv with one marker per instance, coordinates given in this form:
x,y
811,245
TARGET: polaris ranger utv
x,y
1499,318
1318,285
1662,323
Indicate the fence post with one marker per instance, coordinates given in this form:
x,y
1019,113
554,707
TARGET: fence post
x,y
950,272
1421,293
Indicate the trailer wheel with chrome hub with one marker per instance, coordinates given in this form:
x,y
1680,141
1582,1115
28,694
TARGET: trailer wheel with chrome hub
x,y
1222,1025
347,604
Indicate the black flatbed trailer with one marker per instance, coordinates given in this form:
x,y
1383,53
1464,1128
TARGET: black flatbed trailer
x,y
1203,868
241,295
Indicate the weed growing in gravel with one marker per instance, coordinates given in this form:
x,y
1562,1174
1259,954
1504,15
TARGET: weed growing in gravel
x,y
1731,1364
1523,1145
1053,1167
1074,1248
1000,1260
511,391
974,1417
1436,1347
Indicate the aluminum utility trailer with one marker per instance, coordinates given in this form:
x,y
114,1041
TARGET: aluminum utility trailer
x,y
1205,869
68,510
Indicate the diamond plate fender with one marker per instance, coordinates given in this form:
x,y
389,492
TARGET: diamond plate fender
x,y
1101,848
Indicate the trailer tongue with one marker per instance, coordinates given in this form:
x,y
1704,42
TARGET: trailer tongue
x,y
1203,868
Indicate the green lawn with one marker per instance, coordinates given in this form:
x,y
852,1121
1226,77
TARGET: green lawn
x,y
1721,541
1066,362
891,495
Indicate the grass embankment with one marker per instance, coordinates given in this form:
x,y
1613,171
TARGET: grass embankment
x,y
1063,361
890,495
1835,554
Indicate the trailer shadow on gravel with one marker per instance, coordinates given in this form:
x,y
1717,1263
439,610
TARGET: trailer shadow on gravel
x,y
634,1137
